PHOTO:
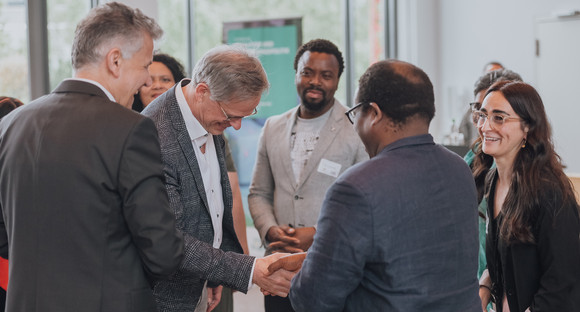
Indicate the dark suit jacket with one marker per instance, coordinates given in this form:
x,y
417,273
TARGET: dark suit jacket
x,y
188,199
396,233
85,213
546,275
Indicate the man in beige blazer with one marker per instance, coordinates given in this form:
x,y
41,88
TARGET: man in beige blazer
x,y
301,153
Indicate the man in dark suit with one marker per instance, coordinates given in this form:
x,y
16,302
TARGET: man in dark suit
x,y
227,85
397,232
86,223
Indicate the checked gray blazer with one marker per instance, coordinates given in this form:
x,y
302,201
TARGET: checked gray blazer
x,y
184,184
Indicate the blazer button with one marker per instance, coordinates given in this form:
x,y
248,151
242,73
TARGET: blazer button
x,y
296,197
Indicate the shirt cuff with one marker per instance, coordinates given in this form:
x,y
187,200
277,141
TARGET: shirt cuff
x,y
250,284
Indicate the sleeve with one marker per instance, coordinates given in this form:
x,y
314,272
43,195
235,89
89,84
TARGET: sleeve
x,y
145,204
559,250
334,266
261,196
202,261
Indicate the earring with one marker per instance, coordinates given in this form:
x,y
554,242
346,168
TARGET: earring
x,y
524,144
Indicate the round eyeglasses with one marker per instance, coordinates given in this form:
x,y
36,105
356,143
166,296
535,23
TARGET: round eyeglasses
x,y
495,119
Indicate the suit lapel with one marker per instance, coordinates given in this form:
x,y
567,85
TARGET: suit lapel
x,y
326,137
187,147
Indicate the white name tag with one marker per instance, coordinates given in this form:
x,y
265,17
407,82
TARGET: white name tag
x,y
329,167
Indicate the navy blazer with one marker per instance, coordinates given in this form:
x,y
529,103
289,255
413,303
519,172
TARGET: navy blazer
x,y
397,232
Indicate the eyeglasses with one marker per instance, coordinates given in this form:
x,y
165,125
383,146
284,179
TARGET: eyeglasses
x,y
496,119
350,114
474,106
235,118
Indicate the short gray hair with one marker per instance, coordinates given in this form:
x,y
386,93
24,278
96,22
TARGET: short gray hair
x,y
231,73
108,25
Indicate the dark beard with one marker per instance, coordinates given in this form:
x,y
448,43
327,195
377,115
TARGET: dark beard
x,y
311,106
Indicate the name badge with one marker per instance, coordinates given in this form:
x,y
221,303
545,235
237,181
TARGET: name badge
x,y
329,167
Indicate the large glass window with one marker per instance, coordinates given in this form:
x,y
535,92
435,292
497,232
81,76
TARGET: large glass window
x,y
13,50
172,17
320,19
62,18
369,35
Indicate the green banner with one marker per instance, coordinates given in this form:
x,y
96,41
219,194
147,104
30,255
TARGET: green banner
x,y
276,48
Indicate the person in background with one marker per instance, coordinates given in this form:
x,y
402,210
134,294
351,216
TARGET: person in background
x,y
226,86
533,228
7,104
481,86
226,303
397,232
300,154
491,66
466,126
86,221
165,71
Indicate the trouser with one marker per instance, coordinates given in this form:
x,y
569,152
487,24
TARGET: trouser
x,y
202,303
277,304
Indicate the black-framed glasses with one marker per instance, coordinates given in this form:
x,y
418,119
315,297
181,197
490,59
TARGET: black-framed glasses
x,y
495,119
350,114
235,118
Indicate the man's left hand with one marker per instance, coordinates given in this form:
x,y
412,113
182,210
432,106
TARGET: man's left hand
x,y
214,295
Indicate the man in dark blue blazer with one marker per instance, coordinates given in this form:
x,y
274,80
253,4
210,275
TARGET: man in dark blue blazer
x,y
86,220
397,232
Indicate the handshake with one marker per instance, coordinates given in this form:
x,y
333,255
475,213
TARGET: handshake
x,y
274,273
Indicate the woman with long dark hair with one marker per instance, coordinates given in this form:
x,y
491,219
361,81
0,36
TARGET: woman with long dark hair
x,y
533,228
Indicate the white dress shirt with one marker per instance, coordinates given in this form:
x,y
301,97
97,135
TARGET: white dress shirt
x,y
208,165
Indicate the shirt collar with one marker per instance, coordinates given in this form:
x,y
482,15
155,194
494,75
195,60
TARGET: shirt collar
x,y
109,95
408,141
194,128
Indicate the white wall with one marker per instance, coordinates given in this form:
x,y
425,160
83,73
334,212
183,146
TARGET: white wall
x,y
453,39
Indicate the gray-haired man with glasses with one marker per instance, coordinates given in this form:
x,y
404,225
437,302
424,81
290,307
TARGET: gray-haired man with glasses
x,y
226,86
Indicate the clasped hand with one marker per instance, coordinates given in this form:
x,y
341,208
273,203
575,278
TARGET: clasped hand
x,y
290,263
288,239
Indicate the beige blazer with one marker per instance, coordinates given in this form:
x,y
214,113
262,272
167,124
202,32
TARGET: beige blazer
x,y
275,198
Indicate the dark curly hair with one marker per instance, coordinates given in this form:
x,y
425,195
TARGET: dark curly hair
x,y
322,46
177,71
400,89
